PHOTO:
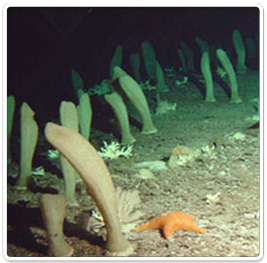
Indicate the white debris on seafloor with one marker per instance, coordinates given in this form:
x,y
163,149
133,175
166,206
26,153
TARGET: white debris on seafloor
x,y
152,165
239,136
213,199
145,174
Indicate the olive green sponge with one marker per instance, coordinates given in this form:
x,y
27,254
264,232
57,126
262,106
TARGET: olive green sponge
x,y
240,51
135,94
120,110
228,67
205,68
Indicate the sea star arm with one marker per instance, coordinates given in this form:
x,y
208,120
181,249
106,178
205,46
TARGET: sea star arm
x,y
193,227
168,230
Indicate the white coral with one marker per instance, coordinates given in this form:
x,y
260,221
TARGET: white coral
x,y
115,150
38,171
53,154
179,83
145,85
221,72
99,90
164,107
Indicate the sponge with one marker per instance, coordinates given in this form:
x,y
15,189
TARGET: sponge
x,y
10,115
240,51
205,68
228,67
118,106
53,214
134,92
28,140
93,170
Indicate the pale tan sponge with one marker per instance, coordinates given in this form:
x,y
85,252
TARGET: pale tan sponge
x,y
120,110
28,141
135,94
53,213
93,170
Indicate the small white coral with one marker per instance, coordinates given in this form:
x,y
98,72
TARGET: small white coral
x,y
145,85
101,89
164,107
179,83
53,154
38,171
170,71
207,149
221,72
114,150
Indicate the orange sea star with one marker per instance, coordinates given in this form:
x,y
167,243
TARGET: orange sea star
x,y
172,221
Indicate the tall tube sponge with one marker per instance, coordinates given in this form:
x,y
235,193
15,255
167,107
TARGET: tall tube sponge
x,y
69,118
28,140
135,94
227,65
10,116
118,106
206,72
53,213
93,170
240,51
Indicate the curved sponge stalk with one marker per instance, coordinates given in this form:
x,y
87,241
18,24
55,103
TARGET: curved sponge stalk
x,y
149,57
118,106
137,97
10,116
161,85
28,140
53,213
77,82
116,60
69,118
240,51
135,62
205,68
228,67
94,172
85,115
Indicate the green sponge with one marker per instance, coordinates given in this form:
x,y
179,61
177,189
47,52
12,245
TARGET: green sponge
x,y
10,115
205,68
118,106
77,83
28,140
240,51
135,94
116,59
228,67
